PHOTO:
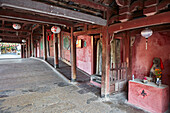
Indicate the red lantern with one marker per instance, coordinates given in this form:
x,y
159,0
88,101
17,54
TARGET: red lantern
x,y
55,29
48,38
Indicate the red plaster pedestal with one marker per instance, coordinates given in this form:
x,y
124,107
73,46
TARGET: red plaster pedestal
x,y
148,96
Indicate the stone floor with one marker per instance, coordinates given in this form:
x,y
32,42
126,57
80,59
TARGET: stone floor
x,y
30,86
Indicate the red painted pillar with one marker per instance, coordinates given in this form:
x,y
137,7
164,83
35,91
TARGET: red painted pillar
x,y
73,57
56,62
44,42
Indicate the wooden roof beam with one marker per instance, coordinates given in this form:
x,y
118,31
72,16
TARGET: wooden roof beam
x,y
162,18
88,32
12,35
55,11
21,17
14,30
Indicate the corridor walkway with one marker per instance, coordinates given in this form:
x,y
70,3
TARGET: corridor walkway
x,y
30,86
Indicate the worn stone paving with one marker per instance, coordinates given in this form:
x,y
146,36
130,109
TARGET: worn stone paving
x,y
30,86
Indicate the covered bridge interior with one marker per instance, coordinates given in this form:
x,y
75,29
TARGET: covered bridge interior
x,y
100,37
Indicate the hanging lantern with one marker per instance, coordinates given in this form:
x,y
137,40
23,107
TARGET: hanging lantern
x,y
0,39
55,29
16,26
48,38
146,33
23,40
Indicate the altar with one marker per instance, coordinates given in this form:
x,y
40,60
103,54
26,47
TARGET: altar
x,y
148,96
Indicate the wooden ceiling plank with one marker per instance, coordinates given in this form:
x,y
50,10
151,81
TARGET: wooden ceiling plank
x,y
76,7
42,8
91,4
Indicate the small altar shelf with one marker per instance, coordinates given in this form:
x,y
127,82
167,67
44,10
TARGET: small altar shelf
x,y
148,96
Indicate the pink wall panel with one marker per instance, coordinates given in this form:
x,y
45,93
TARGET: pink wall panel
x,y
84,54
158,46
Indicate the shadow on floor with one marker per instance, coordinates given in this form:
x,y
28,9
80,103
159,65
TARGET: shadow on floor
x,y
83,79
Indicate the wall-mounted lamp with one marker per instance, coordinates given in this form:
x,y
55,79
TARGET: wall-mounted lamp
x,y
146,33
0,39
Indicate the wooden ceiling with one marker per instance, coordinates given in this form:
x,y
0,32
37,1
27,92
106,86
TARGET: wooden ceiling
x,y
80,14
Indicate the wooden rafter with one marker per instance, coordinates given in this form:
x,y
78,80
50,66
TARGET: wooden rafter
x,y
35,27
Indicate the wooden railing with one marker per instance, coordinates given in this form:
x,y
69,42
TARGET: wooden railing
x,y
118,72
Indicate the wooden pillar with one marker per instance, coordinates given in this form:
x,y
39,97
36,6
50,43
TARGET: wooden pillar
x,y
29,47
36,49
32,46
23,51
40,47
56,62
22,54
44,42
73,57
127,54
92,56
105,83
60,45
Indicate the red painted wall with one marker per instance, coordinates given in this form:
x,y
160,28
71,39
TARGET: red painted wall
x,y
158,46
84,54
